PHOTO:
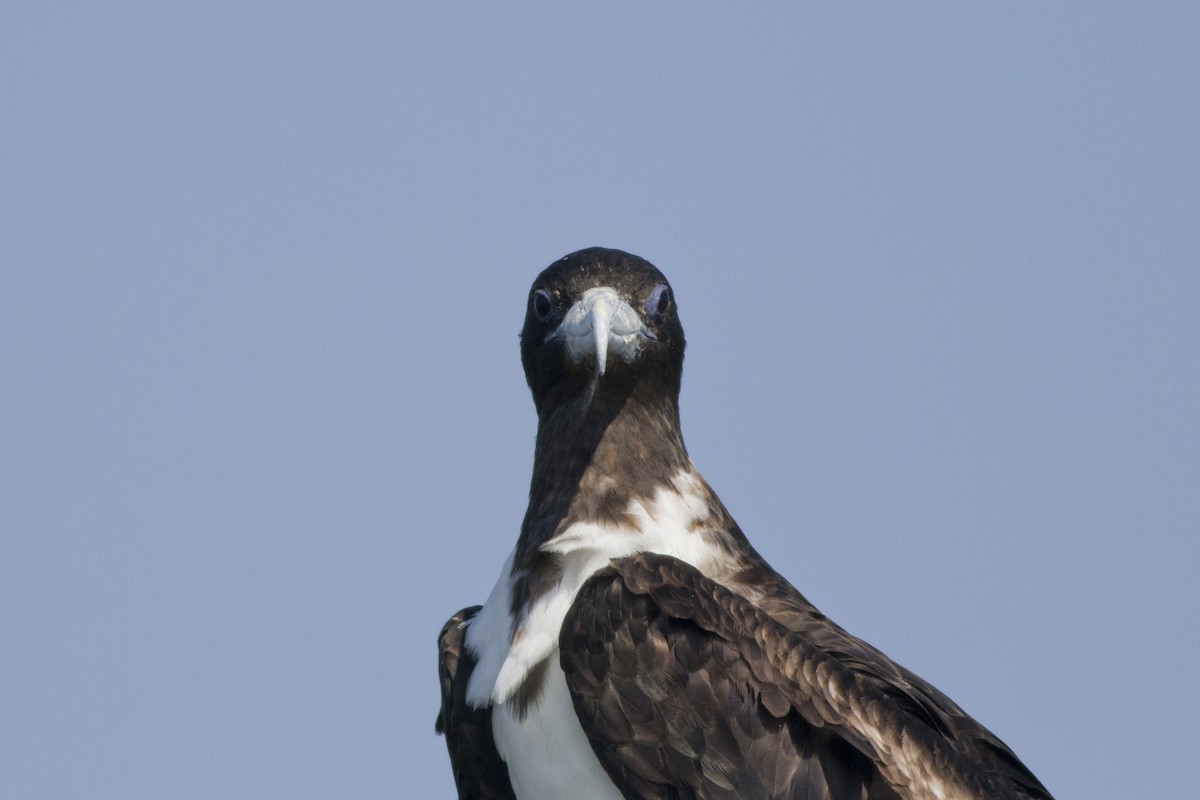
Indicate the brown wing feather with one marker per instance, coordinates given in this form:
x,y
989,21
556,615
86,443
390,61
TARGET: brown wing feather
x,y
479,772
687,689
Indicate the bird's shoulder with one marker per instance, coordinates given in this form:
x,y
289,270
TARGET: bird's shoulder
x,y
752,673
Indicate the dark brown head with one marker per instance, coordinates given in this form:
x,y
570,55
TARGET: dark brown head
x,y
601,319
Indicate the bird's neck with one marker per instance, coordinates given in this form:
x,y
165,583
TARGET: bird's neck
x,y
605,467
596,453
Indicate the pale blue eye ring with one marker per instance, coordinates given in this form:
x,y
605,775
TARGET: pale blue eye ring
x,y
542,304
658,301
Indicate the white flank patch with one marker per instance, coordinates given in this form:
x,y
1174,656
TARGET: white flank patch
x,y
488,638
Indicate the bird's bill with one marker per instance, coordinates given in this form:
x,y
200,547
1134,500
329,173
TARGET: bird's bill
x,y
599,323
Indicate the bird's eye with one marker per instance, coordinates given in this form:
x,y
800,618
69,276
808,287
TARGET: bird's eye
x,y
543,305
658,301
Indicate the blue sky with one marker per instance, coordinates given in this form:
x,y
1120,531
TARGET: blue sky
x,y
262,267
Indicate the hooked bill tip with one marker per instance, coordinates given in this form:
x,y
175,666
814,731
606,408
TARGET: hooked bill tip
x,y
601,329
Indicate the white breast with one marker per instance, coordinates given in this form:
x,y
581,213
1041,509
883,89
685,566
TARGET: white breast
x,y
547,752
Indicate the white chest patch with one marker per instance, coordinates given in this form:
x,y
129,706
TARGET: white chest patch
x,y
547,752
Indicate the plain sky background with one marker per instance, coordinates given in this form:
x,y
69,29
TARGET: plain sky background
x,y
263,426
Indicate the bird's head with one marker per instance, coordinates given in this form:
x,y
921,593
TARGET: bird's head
x,y
600,319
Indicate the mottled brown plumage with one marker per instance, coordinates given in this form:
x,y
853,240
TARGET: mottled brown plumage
x,y
638,641
777,715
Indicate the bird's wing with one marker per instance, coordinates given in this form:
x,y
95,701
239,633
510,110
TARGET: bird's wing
x,y
479,772
687,689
